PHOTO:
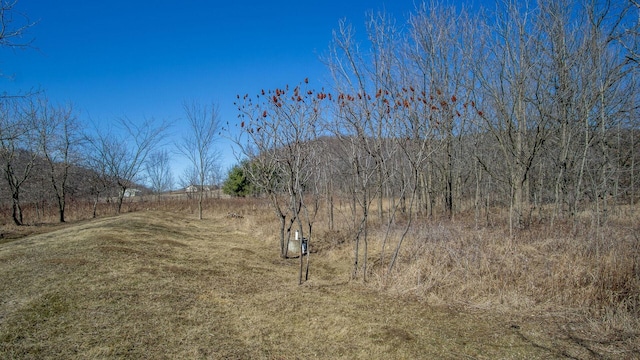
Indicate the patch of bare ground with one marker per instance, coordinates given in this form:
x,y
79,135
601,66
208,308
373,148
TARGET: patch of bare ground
x,y
161,285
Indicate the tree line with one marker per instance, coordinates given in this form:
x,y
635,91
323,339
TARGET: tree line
x,y
532,107
49,156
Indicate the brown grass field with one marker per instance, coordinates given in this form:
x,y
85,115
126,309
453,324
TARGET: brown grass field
x,y
160,284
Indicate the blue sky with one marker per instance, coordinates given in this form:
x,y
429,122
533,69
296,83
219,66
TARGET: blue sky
x,y
143,59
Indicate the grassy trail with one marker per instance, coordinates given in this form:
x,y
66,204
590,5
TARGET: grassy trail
x,y
153,285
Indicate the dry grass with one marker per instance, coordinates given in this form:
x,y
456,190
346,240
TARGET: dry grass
x,y
582,281
157,284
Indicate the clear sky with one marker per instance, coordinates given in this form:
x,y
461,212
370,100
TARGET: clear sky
x,y
143,59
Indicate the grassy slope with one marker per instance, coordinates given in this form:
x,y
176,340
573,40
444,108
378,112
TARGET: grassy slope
x,y
157,285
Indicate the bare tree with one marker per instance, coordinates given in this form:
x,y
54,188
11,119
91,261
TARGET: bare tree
x,y
366,83
17,148
15,125
98,181
583,86
258,143
58,142
198,145
13,25
279,133
158,171
632,32
439,45
507,104
123,155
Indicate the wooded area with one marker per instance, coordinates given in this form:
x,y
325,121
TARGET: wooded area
x,y
532,108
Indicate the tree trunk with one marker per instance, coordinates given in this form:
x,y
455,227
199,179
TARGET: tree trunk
x,y
283,244
95,205
478,194
16,209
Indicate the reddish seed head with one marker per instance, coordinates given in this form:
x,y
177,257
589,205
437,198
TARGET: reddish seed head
x,y
264,113
453,98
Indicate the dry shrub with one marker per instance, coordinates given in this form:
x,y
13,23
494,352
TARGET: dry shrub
x,y
591,273
325,239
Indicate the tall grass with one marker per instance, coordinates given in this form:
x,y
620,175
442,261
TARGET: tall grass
x,y
574,269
